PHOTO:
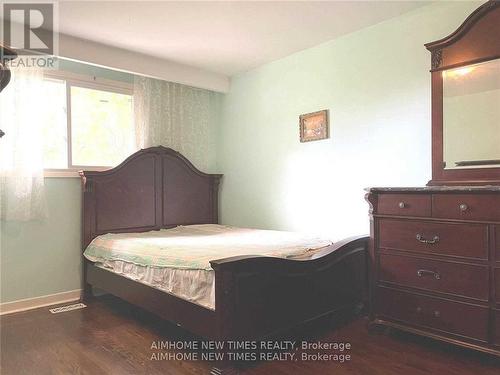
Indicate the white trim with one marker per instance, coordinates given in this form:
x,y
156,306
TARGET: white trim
x,y
102,86
34,303
69,139
107,56
71,172
91,81
51,173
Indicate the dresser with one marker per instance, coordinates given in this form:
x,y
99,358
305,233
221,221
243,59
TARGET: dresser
x,y
435,263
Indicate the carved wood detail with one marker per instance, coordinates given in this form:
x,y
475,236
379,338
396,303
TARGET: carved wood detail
x,y
436,58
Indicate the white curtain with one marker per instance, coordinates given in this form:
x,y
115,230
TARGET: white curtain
x,y
22,105
176,116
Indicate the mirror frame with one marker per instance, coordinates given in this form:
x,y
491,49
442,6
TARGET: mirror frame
x,y
475,41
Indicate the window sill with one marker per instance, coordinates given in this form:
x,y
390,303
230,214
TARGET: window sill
x,y
60,173
66,173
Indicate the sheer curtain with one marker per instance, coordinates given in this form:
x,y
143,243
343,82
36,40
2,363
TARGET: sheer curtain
x,y
176,116
21,149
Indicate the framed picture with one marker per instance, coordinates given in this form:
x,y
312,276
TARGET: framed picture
x,y
314,126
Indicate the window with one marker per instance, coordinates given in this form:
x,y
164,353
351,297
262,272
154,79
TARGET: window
x,y
101,127
89,124
55,149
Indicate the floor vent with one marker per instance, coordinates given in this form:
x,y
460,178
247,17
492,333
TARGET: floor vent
x,y
61,309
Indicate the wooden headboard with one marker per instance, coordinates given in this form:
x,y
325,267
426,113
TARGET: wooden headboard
x,y
154,188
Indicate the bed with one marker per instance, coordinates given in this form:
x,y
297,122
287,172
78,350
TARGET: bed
x,y
177,260
252,294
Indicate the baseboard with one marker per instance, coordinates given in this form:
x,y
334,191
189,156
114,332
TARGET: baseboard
x,y
34,303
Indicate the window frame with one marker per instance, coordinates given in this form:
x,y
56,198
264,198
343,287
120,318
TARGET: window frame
x,y
90,82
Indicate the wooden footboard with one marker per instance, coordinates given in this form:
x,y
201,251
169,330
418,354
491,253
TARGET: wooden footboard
x,y
258,297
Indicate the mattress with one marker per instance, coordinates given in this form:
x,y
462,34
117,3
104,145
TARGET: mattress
x,y
177,260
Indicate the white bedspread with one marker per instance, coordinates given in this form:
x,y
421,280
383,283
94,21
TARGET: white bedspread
x,y
194,246
183,254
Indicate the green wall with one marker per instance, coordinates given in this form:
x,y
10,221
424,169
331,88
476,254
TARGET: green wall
x,y
43,257
376,84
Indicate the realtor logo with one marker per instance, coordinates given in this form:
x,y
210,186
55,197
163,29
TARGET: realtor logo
x,y
29,27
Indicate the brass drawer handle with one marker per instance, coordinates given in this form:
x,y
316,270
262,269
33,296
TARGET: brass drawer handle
x,y
402,204
436,275
421,239
463,207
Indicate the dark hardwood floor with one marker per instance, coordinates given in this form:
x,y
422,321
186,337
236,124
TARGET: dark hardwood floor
x,y
112,337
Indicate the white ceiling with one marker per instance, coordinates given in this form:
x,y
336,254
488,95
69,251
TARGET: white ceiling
x,y
222,37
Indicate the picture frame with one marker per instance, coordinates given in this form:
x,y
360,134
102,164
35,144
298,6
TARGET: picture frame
x,y
314,126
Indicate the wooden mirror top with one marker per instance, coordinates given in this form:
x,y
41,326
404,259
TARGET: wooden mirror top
x,y
476,40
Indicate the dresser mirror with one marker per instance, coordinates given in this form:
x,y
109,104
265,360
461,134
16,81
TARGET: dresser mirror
x,y
471,116
465,76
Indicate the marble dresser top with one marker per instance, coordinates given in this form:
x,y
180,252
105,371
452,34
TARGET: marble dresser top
x,y
482,188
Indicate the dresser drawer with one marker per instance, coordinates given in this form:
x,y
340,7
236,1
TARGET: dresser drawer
x,y
466,206
496,339
404,204
497,284
497,245
462,240
446,277
423,311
